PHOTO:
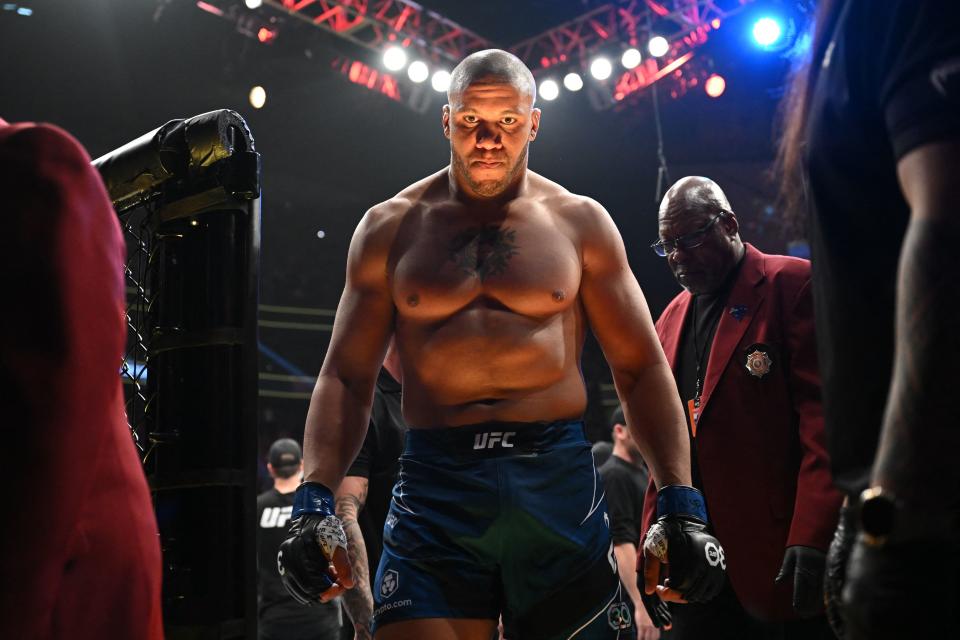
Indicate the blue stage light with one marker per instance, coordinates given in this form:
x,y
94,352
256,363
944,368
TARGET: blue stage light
x,y
767,31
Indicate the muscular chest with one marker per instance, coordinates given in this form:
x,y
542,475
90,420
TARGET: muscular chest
x,y
522,262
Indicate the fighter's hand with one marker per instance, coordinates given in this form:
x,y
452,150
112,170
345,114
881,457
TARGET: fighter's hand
x,y
313,562
646,628
697,564
652,611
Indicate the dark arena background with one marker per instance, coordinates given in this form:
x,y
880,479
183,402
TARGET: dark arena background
x,y
337,131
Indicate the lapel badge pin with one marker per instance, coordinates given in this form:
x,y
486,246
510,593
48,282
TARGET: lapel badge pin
x,y
758,362
738,311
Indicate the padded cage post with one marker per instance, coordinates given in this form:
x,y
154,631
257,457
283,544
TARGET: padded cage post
x,y
188,197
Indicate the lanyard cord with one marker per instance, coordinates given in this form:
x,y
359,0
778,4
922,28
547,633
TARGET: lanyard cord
x,y
700,355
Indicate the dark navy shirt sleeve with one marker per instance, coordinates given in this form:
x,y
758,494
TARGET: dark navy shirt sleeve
x,y
364,460
918,72
623,507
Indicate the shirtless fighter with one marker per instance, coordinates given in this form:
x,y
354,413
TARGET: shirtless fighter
x,y
489,276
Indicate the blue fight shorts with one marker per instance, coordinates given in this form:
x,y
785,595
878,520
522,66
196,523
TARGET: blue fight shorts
x,y
502,519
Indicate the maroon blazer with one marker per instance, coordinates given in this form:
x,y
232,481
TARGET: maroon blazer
x,y
760,441
80,553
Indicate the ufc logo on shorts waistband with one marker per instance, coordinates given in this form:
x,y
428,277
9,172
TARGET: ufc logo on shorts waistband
x,y
490,439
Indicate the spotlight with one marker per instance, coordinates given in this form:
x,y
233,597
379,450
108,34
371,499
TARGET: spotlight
x,y
715,86
253,4
767,31
258,97
549,90
572,81
440,81
418,71
601,68
658,46
631,58
394,58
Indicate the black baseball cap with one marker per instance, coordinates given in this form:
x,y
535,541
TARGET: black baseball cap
x,y
285,452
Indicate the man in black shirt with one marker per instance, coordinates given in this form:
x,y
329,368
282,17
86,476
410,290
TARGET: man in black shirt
x,y
741,343
280,616
625,478
363,498
875,129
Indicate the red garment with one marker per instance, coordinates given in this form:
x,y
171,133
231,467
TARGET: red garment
x,y
760,440
80,556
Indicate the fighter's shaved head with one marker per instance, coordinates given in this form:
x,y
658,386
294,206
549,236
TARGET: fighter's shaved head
x,y
495,66
693,194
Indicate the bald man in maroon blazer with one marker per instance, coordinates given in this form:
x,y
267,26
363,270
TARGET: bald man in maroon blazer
x,y
80,553
740,340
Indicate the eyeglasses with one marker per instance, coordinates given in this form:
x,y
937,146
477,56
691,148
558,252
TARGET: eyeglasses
x,y
692,240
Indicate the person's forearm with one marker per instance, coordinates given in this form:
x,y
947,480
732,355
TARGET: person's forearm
x,y
358,601
920,425
627,568
656,418
336,425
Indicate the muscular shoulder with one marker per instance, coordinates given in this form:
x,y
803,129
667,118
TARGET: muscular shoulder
x,y
382,220
580,211
586,221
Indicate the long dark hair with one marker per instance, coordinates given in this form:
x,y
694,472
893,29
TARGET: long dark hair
x,y
794,112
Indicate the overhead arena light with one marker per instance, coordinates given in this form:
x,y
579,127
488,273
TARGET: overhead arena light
x,y
266,35
394,58
418,71
767,32
258,97
601,68
440,80
253,4
572,81
631,58
715,86
549,90
658,46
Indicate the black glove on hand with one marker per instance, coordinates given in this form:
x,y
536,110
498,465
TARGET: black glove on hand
x,y
657,609
836,569
316,540
806,565
679,538
304,569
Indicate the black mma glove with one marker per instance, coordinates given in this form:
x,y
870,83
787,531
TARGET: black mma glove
x,y
836,568
316,540
805,565
657,609
679,538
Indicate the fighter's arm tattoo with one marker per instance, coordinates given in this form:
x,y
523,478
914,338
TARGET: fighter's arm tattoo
x,y
358,601
920,432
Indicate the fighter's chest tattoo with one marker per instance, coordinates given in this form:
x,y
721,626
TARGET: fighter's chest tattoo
x,y
483,251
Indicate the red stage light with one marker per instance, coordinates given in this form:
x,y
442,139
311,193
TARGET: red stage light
x,y
266,35
715,86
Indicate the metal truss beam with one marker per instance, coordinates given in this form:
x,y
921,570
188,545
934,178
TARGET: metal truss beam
x,y
373,23
684,23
